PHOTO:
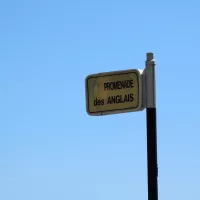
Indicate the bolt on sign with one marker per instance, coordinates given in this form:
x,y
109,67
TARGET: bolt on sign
x,y
114,92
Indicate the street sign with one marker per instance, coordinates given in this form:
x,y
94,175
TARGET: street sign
x,y
128,91
114,92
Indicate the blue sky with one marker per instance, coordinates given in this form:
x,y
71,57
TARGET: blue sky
x,y
49,147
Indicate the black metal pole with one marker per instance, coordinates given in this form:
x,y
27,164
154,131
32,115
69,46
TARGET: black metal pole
x,y
152,164
152,154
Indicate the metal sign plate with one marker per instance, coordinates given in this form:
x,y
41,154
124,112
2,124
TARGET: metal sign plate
x,y
114,92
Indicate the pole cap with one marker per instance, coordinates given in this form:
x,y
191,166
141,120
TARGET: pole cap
x,y
150,56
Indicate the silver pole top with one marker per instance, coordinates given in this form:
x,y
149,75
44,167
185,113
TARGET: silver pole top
x,y
150,56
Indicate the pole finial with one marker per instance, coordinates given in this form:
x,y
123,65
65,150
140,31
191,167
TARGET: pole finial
x,y
150,56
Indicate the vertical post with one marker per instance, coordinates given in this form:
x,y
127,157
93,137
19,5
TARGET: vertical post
x,y
151,127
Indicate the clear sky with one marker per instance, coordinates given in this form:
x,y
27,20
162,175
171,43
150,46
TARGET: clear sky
x,y
49,147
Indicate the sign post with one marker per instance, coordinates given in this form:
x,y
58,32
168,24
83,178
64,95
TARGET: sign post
x,y
151,128
128,91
